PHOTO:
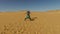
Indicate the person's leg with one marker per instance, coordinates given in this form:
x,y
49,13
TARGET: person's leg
x,y
25,18
30,19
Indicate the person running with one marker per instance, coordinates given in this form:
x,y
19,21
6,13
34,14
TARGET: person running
x,y
28,15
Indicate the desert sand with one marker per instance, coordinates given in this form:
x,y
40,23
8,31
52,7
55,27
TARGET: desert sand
x,y
42,23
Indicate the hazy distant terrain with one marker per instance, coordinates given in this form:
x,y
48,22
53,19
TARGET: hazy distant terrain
x,y
44,23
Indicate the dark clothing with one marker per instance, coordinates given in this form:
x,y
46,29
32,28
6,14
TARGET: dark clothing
x,y
28,15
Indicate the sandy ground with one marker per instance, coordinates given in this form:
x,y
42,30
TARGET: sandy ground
x,y
42,23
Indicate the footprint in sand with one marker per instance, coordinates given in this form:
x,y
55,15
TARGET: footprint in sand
x,y
6,28
3,32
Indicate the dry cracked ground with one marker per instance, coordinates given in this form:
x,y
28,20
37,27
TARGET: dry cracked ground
x,y
42,23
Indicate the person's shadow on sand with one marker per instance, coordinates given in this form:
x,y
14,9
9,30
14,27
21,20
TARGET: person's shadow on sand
x,y
32,19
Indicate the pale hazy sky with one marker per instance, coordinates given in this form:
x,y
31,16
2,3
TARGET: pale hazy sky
x,y
38,5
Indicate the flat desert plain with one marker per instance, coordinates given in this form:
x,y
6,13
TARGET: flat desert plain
x,y
42,23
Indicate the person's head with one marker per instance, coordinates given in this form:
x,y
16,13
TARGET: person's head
x,y
28,11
